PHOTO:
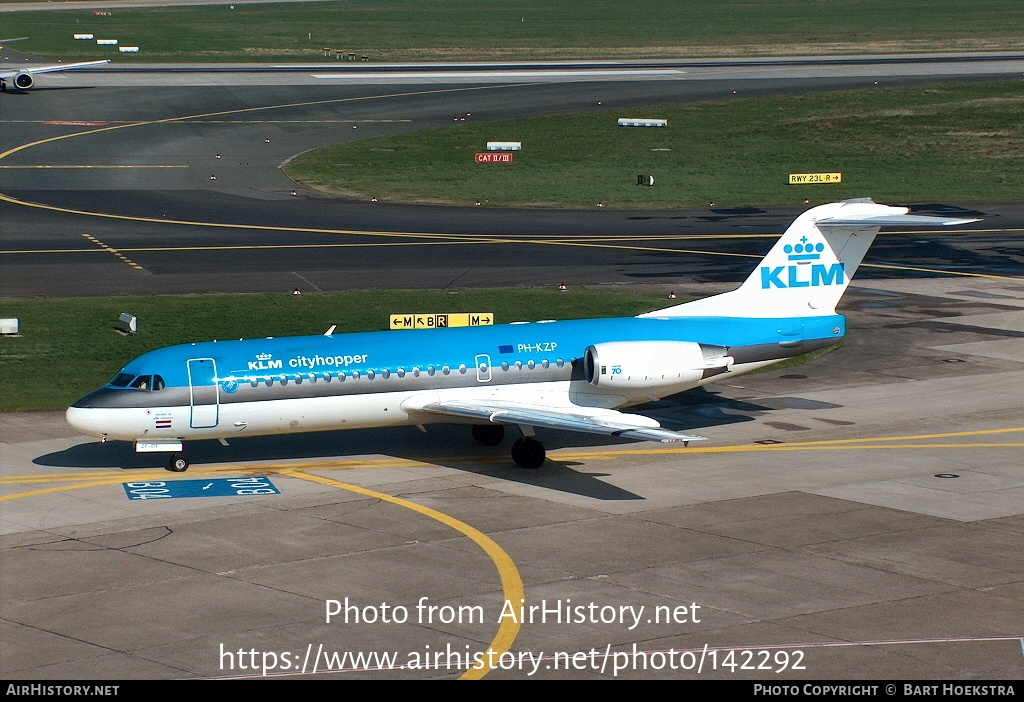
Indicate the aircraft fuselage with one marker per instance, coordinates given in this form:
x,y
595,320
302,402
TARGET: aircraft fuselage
x,y
224,389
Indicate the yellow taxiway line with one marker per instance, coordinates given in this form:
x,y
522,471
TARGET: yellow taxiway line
x,y
638,449
449,239
511,582
513,589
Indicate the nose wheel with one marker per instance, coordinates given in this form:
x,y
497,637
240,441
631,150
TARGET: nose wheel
x,y
528,453
177,464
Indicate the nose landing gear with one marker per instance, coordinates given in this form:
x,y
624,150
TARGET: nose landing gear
x,y
178,463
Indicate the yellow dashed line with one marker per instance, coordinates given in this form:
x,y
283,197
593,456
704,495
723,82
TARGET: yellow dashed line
x,y
114,251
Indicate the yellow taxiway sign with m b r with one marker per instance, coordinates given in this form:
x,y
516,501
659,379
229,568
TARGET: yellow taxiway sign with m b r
x,y
441,321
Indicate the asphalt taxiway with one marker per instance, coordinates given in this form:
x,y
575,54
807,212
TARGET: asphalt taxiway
x,y
333,244
857,517
130,158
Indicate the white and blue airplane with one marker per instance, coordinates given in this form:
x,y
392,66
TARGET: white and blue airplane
x,y
570,375
24,78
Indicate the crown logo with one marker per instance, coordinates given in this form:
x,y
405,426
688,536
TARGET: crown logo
x,y
264,356
804,251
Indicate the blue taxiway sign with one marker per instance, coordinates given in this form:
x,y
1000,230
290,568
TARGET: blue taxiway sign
x,y
217,487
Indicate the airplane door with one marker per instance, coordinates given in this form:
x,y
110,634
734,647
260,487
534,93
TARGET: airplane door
x,y
203,392
483,368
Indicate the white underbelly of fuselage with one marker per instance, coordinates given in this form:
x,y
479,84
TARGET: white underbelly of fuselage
x,y
267,417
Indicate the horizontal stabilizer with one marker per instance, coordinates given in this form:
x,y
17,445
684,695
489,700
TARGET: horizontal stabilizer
x,y
894,221
591,420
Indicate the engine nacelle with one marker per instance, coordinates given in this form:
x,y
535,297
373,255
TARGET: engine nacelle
x,y
23,81
652,368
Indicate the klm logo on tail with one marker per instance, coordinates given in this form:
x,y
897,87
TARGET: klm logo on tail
x,y
799,274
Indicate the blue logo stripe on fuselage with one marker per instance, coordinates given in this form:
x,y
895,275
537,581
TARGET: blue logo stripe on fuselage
x,y
454,346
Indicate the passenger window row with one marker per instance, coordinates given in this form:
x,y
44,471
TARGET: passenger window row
x,y
401,372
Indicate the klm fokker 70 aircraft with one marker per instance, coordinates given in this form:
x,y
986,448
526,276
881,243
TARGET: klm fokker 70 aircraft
x,y
553,375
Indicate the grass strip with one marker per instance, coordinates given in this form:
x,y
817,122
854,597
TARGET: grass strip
x,y
458,30
942,142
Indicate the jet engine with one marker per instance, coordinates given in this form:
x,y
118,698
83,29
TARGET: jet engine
x,y
652,368
23,81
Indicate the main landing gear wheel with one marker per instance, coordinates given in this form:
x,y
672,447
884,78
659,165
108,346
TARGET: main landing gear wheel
x,y
488,434
528,453
178,464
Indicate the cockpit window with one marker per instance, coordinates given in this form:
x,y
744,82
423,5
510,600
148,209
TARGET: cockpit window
x,y
121,380
145,382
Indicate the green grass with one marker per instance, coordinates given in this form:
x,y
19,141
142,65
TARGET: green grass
x,y
950,142
421,30
69,346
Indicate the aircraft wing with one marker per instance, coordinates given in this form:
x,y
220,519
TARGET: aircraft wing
x,y
48,68
592,420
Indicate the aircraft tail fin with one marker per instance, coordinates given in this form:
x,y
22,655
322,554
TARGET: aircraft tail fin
x,y
809,268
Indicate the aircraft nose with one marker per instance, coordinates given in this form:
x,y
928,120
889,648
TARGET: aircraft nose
x,y
83,420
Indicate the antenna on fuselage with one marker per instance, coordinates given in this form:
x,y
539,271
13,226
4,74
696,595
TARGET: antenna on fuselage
x,y
331,330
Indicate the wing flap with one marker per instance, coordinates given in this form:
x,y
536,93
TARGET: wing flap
x,y
582,419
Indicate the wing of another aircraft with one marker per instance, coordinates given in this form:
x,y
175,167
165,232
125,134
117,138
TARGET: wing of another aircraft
x,y
23,77
592,420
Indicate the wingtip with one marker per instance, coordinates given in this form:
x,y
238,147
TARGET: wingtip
x,y
685,439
